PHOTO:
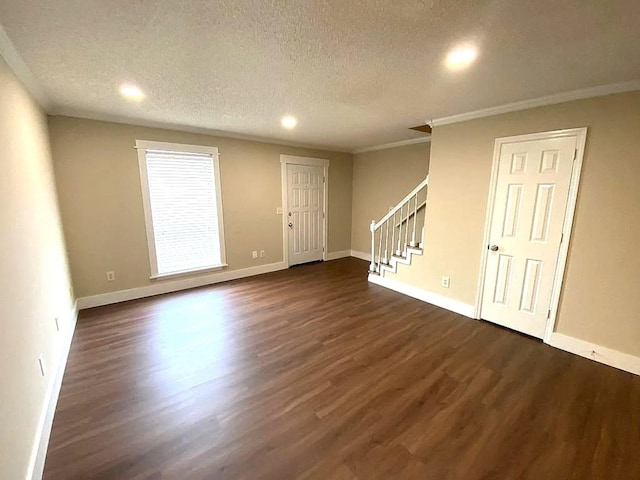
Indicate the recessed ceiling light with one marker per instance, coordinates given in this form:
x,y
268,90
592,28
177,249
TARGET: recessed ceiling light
x,y
132,92
461,57
289,122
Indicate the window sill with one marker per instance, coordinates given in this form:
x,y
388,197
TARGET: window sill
x,y
189,272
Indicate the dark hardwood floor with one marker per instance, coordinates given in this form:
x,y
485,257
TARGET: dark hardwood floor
x,y
314,373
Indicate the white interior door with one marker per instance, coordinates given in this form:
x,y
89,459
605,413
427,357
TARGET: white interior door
x,y
305,213
529,207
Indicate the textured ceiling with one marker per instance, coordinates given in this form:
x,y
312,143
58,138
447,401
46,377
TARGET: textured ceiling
x,y
355,73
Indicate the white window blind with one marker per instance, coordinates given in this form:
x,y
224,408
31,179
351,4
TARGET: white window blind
x,y
183,208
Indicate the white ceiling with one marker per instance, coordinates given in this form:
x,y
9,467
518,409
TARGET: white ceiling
x,y
355,73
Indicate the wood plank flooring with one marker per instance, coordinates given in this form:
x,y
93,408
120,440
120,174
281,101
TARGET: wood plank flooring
x,y
312,373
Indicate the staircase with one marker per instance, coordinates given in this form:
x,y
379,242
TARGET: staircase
x,y
394,238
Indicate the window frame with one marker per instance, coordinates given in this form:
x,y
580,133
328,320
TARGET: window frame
x,y
142,146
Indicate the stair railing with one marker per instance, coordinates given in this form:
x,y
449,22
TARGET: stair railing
x,y
397,223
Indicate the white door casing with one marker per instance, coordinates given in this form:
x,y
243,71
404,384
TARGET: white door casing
x,y
533,199
304,198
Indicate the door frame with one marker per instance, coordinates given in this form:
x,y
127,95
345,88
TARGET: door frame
x,y
313,162
581,138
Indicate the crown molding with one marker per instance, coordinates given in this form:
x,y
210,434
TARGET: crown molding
x,y
573,95
105,117
15,62
401,143
22,71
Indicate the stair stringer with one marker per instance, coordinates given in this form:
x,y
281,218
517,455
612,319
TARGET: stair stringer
x,y
395,261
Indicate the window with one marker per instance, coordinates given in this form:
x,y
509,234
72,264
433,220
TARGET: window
x,y
183,207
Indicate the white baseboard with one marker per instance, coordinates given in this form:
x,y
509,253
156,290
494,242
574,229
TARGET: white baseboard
x,y
424,295
175,285
597,353
361,255
41,443
337,255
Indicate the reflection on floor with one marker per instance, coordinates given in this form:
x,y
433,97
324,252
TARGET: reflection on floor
x,y
314,373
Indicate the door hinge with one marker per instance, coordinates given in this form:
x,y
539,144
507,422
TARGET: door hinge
x,y
561,237
549,314
575,154
324,179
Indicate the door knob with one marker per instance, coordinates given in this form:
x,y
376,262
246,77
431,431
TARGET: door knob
x,y
493,248
290,225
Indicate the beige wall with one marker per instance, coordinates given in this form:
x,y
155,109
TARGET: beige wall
x,y
600,302
100,199
34,279
380,180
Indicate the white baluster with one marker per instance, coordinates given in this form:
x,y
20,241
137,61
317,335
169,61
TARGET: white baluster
x,y
396,219
379,247
406,230
398,250
372,227
415,215
393,232
386,244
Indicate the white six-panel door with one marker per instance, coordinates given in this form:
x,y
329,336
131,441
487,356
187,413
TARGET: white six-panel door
x,y
305,194
529,207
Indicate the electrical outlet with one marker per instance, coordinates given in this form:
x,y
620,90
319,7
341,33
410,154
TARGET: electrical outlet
x,y
41,363
254,254
279,210
445,282
262,254
57,320
111,276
